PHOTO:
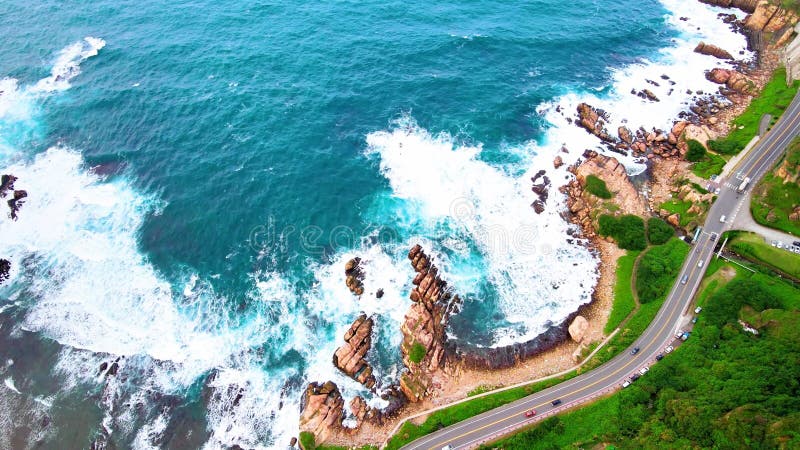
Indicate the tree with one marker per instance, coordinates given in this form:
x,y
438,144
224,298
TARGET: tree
x,y
696,151
658,231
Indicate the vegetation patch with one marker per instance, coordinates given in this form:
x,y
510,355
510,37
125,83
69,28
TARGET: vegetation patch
x,y
627,230
658,231
597,187
723,388
681,207
658,269
752,247
416,353
775,199
773,100
624,303
695,151
710,164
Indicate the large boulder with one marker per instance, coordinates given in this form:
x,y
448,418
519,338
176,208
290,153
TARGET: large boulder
x,y
578,327
350,357
322,410
712,50
769,18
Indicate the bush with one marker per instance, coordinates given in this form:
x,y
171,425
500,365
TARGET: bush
x,y
724,147
696,151
627,230
416,353
658,269
307,440
597,187
658,231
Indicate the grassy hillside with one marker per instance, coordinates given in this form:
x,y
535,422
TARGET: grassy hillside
x,y
724,388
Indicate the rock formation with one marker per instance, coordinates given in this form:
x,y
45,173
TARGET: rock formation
x,y
581,204
5,268
424,338
732,79
558,162
16,202
322,410
745,5
354,276
6,184
770,18
349,358
594,121
577,328
712,50
541,189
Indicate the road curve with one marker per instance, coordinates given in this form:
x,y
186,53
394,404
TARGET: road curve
x,y
674,315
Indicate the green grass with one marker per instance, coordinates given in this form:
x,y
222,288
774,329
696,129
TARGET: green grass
x,y
752,247
597,187
773,100
482,389
462,411
628,230
773,199
658,269
582,428
710,164
723,388
681,207
416,353
624,302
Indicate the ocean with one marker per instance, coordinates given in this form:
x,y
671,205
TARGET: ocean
x,y
199,173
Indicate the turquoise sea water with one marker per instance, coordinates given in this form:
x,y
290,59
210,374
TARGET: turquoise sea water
x,y
199,172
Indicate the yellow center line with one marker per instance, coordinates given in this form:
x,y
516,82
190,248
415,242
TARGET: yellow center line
x,y
607,377
770,145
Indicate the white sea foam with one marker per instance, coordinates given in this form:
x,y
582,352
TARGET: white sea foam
x,y
9,382
67,65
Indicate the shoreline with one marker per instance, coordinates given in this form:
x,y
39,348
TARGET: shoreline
x,y
456,380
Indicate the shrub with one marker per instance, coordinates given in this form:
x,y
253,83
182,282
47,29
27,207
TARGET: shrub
x,y
725,147
307,440
416,353
658,269
658,231
597,187
696,151
627,230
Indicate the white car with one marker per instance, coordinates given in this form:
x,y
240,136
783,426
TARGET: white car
x,y
626,384
716,191
780,244
644,370
697,310
668,349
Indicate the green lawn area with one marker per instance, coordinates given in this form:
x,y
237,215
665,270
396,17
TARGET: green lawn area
x,y
711,164
751,246
623,296
773,100
681,207
773,199
723,388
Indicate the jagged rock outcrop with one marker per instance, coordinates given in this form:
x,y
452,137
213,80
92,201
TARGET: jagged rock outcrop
x,y
354,276
769,18
558,162
577,329
732,79
712,50
608,169
349,358
16,202
594,121
424,338
625,135
5,269
6,184
541,187
745,5
322,410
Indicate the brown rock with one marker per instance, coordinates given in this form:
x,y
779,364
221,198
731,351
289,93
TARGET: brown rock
x,y
625,135
769,18
578,327
322,410
349,358
674,220
712,50
558,162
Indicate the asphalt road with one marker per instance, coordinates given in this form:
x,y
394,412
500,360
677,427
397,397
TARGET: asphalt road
x,y
673,316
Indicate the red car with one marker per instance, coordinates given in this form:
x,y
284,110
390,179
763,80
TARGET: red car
x,y
530,413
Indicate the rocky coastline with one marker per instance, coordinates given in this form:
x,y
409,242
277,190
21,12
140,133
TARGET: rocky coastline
x,y
438,371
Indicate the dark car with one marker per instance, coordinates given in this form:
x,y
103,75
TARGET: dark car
x,y
659,357
556,402
635,377
635,350
797,243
